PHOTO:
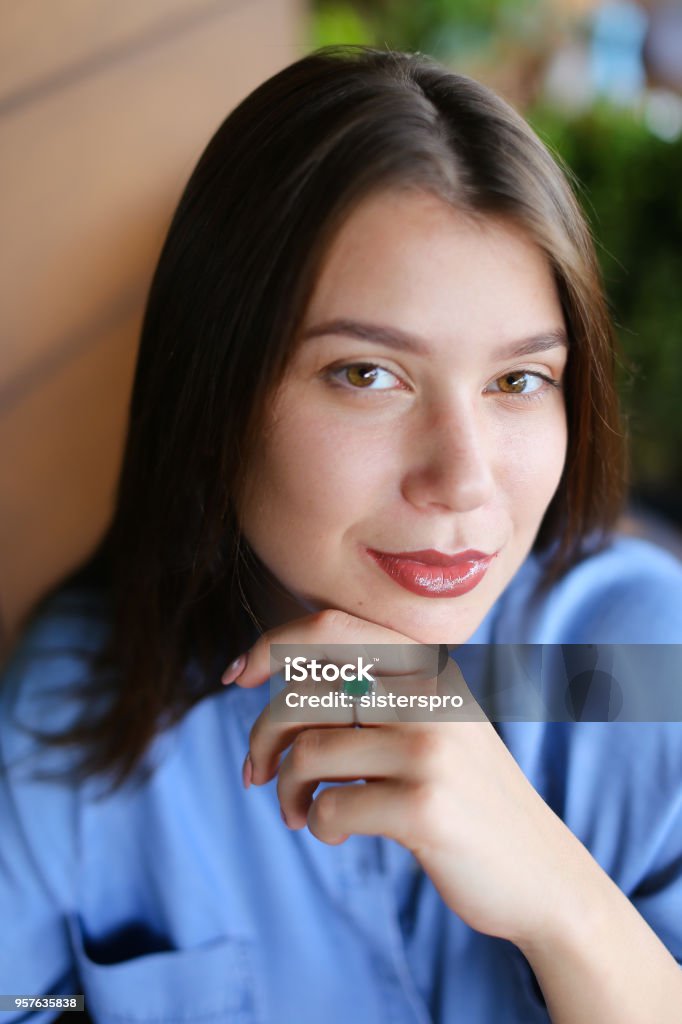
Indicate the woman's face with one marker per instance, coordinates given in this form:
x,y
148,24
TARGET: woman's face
x,y
406,423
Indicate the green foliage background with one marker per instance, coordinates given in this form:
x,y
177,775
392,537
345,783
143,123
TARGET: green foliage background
x,y
631,189
628,180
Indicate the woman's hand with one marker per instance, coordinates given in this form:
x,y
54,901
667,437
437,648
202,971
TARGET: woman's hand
x,y
449,791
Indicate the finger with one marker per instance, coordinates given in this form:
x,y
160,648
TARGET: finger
x,y
444,698
371,710
322,631
270,737
373,809
328,755
273,732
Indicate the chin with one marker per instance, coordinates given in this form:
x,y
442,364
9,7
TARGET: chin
x,y
426,628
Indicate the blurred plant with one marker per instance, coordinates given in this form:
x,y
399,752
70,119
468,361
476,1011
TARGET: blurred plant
x,y
332,23
446,29
629,184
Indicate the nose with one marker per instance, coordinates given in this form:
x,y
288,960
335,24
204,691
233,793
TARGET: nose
x,y
450,462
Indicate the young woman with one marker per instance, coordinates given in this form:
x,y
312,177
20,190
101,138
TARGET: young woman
x,y
374,403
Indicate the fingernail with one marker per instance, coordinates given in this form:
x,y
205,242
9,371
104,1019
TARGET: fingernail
x,y
234,669
247,771
284,817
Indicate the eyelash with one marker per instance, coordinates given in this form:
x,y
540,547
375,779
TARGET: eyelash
x,y
333,372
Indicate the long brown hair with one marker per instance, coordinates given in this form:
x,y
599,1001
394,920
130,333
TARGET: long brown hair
x,y
232,283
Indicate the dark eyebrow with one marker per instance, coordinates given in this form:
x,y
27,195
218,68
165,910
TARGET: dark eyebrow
x,y
400,340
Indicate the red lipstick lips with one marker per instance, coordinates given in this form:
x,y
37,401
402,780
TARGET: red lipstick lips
x,y
431,573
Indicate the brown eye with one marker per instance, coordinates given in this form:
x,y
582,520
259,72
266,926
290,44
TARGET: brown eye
x,y
369,377
361,375
512,383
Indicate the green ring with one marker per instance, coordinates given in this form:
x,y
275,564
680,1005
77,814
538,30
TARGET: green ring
x,y
356,687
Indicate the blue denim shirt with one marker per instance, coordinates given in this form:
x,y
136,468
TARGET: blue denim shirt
x,y
187,899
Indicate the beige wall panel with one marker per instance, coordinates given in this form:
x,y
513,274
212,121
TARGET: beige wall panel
x,y
44,40
95,169
90,174
61,448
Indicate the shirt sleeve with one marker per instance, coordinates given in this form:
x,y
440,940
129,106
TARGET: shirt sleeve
x,y
38,818
635,596
628,593
634,825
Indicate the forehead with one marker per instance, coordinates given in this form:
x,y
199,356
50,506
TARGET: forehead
x,y
413,260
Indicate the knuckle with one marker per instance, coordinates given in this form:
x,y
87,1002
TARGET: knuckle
x,y
427,750
258,735
331,621
425,807
326,806
255,746
303,751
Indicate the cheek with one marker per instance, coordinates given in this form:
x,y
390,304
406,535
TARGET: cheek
x,y
322,469
531,463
